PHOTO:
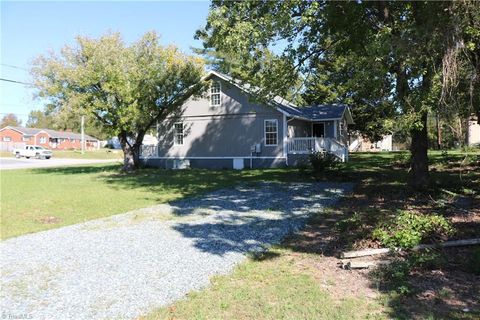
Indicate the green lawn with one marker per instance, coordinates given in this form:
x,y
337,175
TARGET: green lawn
x,y
75,154
39,199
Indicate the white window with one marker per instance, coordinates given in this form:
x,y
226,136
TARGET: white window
x,y
271,132
215,94
43,139
342,128
178,134
7,139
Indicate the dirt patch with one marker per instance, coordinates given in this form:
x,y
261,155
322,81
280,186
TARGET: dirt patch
x,y
49,220
320,240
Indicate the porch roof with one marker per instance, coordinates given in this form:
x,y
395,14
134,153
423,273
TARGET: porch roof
x,y
320,112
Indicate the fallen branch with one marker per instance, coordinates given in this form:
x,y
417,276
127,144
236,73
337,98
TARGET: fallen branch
x,y
349,265
446,244
363,253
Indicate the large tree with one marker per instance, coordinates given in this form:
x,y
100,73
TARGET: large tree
x,y
10,119
126,88
393,61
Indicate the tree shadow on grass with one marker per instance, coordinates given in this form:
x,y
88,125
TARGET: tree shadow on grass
x,y
185,183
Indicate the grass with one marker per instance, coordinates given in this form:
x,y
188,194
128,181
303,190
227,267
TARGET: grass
x,y
272,288
105,154
40,199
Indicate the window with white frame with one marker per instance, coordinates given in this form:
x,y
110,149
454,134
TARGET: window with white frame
x,y
7,139
342,128
271,132
26,138
178,133
215,94
43,139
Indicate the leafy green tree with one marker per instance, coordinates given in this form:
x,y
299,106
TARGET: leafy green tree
x,y
395,62
39,119
126,88
10,119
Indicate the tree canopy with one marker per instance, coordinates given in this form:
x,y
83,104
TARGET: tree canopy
x,y
126,88
393,61
10,119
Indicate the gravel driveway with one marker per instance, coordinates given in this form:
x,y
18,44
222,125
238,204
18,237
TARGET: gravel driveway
x,y
126,265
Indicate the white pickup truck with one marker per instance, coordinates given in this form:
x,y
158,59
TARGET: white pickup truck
x,y
33,151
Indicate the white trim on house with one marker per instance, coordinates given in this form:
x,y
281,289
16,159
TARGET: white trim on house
x,y
265,132
335,129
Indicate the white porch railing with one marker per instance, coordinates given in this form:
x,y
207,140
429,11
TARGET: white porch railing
x,y
306,145
148,151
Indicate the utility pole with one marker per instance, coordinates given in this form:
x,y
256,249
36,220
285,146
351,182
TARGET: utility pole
x,y
83,135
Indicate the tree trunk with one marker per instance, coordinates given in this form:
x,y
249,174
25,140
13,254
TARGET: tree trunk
x,y
131,153
439,131
418,175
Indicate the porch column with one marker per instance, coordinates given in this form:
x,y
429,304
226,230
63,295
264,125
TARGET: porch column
x,y
335,129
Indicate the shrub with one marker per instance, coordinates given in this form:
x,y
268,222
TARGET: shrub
x,y
321,161
401,160
409,229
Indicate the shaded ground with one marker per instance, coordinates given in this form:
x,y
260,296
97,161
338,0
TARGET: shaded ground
x,y
439,284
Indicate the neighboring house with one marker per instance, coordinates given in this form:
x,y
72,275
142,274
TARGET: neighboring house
x,y
360,144
148,140
17,137
226,129
473,131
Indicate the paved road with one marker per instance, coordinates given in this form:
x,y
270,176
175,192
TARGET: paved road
x,y
127,265
22,163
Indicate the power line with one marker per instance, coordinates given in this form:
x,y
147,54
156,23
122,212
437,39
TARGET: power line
x,y
15,81
12,66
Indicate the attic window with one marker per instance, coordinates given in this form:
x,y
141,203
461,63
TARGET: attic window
x,y
215,94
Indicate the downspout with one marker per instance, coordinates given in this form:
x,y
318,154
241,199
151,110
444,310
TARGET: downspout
x,y
285,134
285,128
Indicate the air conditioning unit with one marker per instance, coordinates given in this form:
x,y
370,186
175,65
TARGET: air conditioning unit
x,y
181,164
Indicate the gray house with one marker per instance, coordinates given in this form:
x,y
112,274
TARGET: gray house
x,y
226,129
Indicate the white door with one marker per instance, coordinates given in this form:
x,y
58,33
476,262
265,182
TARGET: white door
x,y
238,163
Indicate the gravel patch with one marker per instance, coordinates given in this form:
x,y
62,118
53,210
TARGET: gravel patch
x,y
126,265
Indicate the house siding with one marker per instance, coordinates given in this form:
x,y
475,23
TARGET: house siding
x,y
229,130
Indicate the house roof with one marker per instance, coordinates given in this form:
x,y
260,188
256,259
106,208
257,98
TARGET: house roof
x,y
310,113
25,131
51,133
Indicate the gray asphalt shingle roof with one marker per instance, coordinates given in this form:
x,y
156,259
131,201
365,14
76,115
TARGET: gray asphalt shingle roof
x,y
27,131
317,112
53,133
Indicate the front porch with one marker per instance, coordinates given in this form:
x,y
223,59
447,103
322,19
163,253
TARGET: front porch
x,y
307,145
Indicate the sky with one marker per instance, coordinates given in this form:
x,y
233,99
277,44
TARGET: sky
x,y
28,29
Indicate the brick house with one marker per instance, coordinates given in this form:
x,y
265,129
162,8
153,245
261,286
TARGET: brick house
x,y
17,137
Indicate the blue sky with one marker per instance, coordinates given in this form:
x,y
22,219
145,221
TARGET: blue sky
x,y
29,29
